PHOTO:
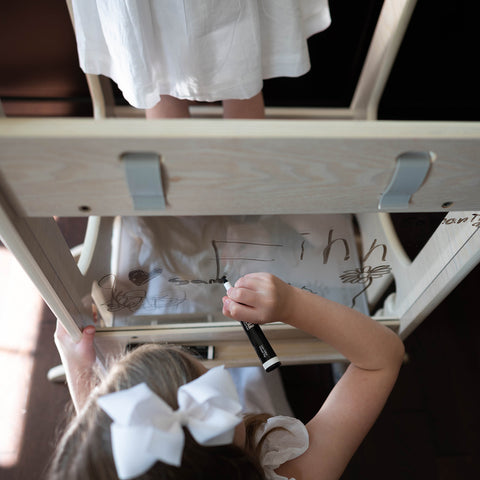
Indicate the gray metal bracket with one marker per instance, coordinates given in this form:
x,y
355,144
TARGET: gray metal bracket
x,y
144,179
411,170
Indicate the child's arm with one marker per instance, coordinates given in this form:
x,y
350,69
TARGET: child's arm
x,y
375,353
78,360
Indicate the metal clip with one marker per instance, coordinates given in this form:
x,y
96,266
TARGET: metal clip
x,y
411,170
144,179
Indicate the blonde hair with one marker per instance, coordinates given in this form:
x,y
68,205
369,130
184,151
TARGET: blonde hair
x,y
84,451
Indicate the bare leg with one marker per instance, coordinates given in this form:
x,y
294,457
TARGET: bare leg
x,y
249,108
169,107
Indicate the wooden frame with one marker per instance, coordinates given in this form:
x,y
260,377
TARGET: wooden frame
x,y
241,167
75,167
322,167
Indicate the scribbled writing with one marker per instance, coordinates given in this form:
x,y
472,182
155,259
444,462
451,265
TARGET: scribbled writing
x,y
345,244
119,299
473,220
132,295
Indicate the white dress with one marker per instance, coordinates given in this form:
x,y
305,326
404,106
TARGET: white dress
x,y
206,50
288,442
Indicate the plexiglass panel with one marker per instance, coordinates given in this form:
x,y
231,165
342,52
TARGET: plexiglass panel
x,y
165,270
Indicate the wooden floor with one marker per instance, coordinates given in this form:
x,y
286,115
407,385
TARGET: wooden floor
x,y
429,429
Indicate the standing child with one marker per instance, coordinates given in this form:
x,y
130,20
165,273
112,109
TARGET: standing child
x,y
165,53
159,414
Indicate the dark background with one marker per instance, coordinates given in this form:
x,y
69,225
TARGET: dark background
x,y
435,77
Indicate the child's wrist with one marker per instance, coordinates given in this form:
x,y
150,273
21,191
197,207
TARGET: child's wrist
x,y
292,298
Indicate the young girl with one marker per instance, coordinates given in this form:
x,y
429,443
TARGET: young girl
x,y
272,448
164,53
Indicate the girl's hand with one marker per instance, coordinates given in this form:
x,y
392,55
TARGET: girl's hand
x,y
78,360
259,298
78,356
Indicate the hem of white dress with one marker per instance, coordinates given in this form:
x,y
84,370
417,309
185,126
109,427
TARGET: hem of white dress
x,y
240,91
317,23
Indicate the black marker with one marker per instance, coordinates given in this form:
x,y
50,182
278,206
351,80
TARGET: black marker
x,y
264,350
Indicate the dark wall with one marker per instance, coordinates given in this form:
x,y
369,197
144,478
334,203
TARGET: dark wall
x,y
39,72
435,76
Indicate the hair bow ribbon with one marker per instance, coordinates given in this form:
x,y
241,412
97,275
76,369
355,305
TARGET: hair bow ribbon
x,y
146,429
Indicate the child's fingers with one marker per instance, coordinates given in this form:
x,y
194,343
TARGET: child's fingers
x,y
243,295
89,331
61,335
237,311
71,351
226,307
252,281
88,334
85,348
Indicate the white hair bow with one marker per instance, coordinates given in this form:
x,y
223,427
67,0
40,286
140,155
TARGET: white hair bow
x,y
146,429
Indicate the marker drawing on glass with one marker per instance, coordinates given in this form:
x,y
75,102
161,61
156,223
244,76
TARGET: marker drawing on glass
x,y
262,347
